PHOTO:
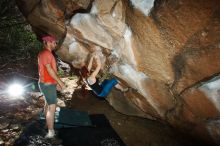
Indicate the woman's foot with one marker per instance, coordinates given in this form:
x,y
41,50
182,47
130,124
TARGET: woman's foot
x,y
129,89
125,90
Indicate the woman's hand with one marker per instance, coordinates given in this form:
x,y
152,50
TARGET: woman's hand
x,y
98,61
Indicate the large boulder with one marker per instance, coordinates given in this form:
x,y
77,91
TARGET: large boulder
x,y
166,51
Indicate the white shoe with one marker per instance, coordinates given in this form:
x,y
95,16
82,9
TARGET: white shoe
x,y
50,135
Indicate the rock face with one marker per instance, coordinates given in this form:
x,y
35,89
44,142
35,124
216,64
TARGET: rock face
x,y
167,51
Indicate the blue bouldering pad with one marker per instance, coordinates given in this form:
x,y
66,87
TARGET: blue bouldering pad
x,y
69,118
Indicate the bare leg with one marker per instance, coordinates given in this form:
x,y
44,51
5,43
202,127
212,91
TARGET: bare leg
x,y
50,119
50,116
45,109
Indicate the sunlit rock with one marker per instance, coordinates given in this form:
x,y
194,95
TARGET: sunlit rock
x,y
212,91
144,6
88,28
111,15
202,102
73,51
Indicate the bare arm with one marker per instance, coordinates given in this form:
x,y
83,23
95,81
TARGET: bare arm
x,y
54,75
92,78
97,69
90,63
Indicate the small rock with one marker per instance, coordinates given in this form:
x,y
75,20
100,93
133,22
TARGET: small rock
x,y
204,34
61,103
15,126
3,125
1,142
5,130
29,108
119,123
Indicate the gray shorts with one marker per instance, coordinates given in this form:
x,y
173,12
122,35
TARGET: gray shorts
x,y
49,92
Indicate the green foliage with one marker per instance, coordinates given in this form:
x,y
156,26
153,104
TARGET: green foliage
x,y
16,36
23,40
60,72
72,77
19,40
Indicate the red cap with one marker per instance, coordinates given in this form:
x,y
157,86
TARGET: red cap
x,y
48,38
